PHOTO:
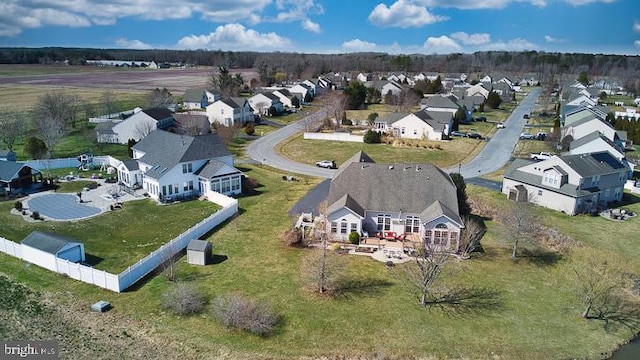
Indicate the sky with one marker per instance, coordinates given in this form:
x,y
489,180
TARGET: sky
x,y
327,26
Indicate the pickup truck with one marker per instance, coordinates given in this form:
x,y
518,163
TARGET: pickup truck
x,y
540,156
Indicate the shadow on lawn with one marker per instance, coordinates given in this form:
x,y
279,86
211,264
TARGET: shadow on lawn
x,y
468,301
540,257
92,260
362,287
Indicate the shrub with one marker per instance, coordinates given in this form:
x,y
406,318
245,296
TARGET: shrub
x,y
293,238
36,215
354,238
18,205
184,299
249,129
249,185
347,122
237,312
372,137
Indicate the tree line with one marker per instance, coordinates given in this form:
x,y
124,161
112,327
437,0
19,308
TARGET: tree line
x,y
276,65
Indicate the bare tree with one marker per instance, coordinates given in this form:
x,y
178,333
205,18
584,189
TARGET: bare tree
x,y
470,235
335,104
406,100
108,102
160,98
51,130
12,127
227,133
521,224
59,106
144,128
422,272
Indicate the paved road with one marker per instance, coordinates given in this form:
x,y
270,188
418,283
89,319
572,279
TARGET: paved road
x,y
498,150
261,150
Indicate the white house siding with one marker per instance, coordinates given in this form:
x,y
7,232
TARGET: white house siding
x,y
543,197
220,113
370,222
136,127
342,222
410,127
284,100
226,184
434,233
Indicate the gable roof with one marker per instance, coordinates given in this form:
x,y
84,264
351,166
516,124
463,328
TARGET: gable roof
x,y
198,245
163,150
587,165
284,92
158,113
442,102
348,202
399,188
9,170
194,95
214,168
47,242
438,209
436,119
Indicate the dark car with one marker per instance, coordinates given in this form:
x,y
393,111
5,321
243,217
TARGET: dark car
x,y
475,136
526,116
481,118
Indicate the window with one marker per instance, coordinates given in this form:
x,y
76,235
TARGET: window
x,y
343,226
190,184
440,234
595,180
185,186
354,227
607,193
539,192
176,188
622,177
551,178
334,227
402,131
412,224
170,189
226,185
164,189
235,184
617,192
215,186
187,168
415,131
384,222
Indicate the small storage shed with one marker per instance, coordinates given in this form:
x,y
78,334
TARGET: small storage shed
x,y
199,252
43,249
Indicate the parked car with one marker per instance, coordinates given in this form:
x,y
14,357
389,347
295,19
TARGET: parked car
x,y
475,136
542,135
526,116
327,164
527,136
500,125
481,118
542,155
458,133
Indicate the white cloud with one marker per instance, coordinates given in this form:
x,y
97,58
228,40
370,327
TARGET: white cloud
x,y
551,39
17,15
403,14
132,44
235,37
311,26
472,39
441,45
636,26
357,45
497,4
637,43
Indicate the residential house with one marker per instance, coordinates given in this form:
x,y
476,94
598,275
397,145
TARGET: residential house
x,y
364,77
230,112
285,97
7,155
390,87
504,90
262,102
135,127
302,91
17,177
314,85
628,114
424,124
586,125
596,142
383,123
198,99
572,184
419,200
444,104
172,166
479,89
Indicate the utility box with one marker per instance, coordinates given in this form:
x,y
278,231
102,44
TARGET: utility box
x,y
101,306
199,252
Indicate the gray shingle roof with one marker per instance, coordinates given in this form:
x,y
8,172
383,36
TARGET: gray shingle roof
x,y
158,113
442,102
197,245
212,167
407,188
348,202
436,119
47,242
9,170
589,138
105,127
164,150
194,95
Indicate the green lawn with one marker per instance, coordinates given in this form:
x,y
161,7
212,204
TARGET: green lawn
x,y
537,313
439,153
115,240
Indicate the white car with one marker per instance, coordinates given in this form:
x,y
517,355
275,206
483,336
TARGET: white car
x,y
327,164
500,125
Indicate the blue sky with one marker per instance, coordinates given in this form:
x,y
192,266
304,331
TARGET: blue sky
x,y
327,26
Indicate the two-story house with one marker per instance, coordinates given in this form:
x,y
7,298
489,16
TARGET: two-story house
x,y
170,166
572,184
424,124
230,112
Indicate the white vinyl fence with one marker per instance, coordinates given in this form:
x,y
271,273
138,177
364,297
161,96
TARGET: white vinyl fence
x,y
60,163
131,275
337,136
